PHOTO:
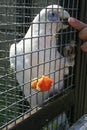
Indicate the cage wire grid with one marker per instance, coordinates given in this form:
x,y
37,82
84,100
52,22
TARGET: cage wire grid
x,y
15,19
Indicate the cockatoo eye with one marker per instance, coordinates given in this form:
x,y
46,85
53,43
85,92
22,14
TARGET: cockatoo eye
x,y
52,16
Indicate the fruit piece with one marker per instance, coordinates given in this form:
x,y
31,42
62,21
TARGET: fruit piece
x,y
43,84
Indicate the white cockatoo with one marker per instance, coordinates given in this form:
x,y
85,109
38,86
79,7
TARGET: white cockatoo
x,y
36,54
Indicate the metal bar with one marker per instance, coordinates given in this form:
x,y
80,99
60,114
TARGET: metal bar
x,y
85,62
83,68
85,95
80,71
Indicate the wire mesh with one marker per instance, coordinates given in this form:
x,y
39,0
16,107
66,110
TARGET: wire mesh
x,y
16,16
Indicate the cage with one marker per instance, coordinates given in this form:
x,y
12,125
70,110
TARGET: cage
x,y
36,42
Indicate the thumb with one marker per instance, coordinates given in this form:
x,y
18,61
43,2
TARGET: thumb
x,y
76,23
84,47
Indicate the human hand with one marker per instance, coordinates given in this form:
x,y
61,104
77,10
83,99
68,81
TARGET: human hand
x,y
82,28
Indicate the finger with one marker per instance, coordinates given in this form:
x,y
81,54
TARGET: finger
x,y
76,24
84,47
83,34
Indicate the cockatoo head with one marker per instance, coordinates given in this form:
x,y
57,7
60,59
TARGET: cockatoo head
x,y
51,19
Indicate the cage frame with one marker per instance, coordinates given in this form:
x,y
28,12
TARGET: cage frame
x,y
81,76
71,98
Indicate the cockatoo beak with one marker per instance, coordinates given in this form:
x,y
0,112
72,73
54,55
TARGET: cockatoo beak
x,y
64,15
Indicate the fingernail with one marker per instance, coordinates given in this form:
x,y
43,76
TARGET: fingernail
x,y
72,20
84,48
